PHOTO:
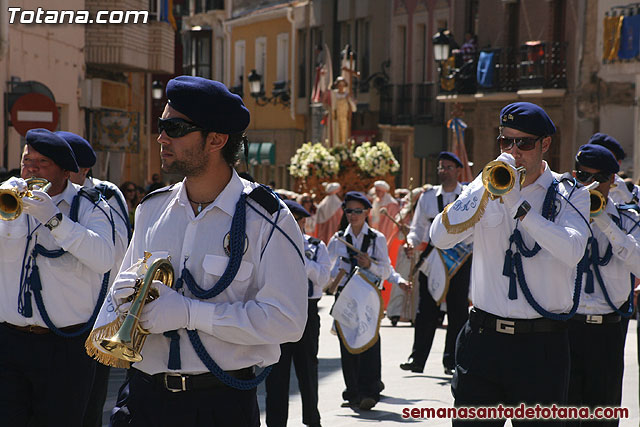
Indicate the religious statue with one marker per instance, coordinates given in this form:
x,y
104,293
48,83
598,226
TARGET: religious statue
x,y
340,106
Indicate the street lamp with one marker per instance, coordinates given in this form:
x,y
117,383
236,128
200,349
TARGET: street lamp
x,y
156,90
441,45
279,94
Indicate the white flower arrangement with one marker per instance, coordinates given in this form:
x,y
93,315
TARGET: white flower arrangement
x,y
313,156
375,160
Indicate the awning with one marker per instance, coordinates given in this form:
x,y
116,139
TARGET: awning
x,y
262,153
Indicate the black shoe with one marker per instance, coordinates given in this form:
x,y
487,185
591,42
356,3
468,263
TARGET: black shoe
x,y
367,403
449,371
394,320
412,366
350,404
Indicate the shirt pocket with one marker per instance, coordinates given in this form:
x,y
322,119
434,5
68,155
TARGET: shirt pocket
x,y
492,219
12,241
215,265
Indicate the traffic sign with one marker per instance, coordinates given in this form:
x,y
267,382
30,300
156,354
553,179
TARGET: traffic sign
x,y
34,110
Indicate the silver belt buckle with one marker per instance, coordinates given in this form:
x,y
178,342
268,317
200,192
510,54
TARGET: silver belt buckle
x,y
506,326
595,319
183,383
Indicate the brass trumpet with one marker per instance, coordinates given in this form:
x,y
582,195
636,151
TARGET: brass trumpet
x,y
598,203
499,178
11,198
127,343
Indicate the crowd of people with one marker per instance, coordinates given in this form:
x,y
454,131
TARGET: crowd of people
x,y
534,272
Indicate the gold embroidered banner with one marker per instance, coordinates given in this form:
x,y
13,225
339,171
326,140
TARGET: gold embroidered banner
x,y
611,37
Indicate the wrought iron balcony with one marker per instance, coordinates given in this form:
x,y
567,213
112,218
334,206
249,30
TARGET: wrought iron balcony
x,y
534,65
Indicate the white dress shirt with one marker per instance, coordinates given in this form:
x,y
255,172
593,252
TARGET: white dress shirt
x,y
549,274
122,234
70,283
318,270
264,306
427,209
377,250
625,260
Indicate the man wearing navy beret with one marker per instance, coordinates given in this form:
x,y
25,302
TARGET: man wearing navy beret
x,y
619,191
55,260
304,352
596,342
238,254
428,316
119,216
362,370
526,244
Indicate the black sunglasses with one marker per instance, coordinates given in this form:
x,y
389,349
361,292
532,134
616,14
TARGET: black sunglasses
x,y
583,176
177,127
357,211
523,143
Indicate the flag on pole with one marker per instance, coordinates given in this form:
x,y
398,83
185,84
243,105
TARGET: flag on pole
x,y
458,126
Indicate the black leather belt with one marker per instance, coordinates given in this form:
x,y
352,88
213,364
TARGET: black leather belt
x,y
597,319
39,330
492,323
183,382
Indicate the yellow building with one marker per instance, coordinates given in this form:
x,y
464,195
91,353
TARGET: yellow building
x,y
264,40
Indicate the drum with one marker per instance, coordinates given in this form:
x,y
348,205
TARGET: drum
x,y
358,311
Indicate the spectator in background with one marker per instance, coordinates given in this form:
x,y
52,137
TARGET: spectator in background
x,y
307,202
469,47
156,183
132,196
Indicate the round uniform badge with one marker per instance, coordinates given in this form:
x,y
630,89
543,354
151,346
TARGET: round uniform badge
x,y
226,244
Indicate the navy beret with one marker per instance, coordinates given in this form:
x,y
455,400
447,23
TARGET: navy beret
x,y
208,103
357,197
54,147
608,142
85,156
597,157
447,155
297,209
527,117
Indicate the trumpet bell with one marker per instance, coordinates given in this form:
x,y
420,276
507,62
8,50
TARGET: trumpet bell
x,y
499,178
598,203
11,198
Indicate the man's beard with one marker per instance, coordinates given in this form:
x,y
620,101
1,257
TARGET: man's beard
x,y
195,164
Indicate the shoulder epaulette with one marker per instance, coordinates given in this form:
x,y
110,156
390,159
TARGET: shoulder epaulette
x,y
628,207
158,191
266,199
314,241
92,194
340,233
108,190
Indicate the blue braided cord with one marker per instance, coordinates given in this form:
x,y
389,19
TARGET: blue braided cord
x,y
280,230
264,248
635,223
515,262
218,372
34,279
537,307
629,312
24,296
237,235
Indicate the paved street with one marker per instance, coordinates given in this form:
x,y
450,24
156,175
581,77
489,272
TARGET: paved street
x,y
403,389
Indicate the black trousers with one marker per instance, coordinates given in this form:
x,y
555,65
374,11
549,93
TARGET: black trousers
x,y
304,354
361,372
144,404
597,361
427,322
44,379
97,396
494,368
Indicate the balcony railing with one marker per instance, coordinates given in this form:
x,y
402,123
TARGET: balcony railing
x,y
408,104
531,66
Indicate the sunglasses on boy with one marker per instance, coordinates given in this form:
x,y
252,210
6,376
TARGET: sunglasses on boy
x,y
177,127
523,143
356,211
583,176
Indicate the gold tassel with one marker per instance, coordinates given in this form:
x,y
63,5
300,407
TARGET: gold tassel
x,y
459,228
98,334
